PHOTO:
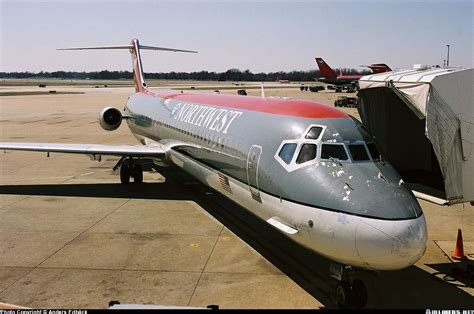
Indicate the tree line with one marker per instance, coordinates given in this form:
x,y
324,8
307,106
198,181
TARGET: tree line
x,y
229,75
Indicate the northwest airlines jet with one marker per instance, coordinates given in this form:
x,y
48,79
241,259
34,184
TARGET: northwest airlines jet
x,y
330,77
307,169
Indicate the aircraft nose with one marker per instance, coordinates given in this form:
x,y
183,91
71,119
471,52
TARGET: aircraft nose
x,y
391,244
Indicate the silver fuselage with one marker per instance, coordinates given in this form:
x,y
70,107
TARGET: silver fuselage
x,y
357,213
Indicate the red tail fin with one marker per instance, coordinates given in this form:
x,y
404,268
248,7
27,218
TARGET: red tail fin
x,y
325,69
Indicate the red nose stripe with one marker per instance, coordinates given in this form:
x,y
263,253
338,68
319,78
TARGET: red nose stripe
x,y
287,107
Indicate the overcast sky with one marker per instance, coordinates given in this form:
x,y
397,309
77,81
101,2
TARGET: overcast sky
x,y
261,36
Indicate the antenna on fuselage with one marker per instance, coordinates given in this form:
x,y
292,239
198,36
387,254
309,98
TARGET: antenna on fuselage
x,y
134,49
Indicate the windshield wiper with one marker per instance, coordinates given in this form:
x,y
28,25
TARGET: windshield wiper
x,y
380,159
335,160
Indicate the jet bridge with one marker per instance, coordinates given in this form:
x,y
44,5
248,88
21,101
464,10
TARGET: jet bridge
x,y
423,122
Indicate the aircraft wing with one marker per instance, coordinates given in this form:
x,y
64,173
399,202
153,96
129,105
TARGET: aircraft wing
x,y
155,150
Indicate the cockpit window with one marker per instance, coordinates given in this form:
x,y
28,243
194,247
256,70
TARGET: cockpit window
x,y
329,151
374,152
314,132
307,153
287,151
358,152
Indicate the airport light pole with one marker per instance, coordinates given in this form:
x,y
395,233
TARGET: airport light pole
x,y
447,60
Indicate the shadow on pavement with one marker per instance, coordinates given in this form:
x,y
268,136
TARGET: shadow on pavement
x,y
408,288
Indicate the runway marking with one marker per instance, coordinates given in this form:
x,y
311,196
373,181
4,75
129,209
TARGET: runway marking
x,y
66,244
32,179
62,177
205,265
88,173
14,202
227,238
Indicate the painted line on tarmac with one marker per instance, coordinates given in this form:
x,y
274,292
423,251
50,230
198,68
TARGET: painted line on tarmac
x,y
61,177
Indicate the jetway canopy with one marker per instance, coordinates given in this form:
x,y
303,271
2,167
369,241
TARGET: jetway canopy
x,y
423,122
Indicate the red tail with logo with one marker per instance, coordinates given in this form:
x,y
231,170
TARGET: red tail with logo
x,y
324,69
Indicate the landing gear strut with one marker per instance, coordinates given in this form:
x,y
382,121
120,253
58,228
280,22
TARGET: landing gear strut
x,y
130,169
351,295
350,292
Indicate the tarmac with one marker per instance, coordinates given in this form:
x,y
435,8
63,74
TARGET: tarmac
x,y
71,236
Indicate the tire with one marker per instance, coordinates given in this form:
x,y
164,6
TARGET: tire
x,y
137,173
360,293
124,174
344,295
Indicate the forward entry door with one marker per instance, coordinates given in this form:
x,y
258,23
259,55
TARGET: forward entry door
x,y
253,160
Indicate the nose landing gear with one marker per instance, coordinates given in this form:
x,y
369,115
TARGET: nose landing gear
x,y
351,295
350,292
130,169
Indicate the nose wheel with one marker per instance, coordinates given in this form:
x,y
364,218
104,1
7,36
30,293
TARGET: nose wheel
x,y
351,295
350,292
130,169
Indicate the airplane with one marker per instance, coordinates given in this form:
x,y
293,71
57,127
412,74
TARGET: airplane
x,y
307,169
378,68
330,77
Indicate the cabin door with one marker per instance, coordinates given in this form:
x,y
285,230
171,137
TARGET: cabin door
x,y
253,160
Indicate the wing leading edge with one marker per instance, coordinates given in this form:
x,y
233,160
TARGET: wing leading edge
x,y
155,150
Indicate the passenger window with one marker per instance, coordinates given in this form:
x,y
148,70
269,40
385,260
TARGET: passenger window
x,y
358,152
307,153
287,151
329,151
374,152
314,132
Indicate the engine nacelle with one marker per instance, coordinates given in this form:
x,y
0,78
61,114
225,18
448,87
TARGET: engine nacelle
x,y
110,118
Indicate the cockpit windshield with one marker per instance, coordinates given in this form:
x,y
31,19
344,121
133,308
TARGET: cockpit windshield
x,y
307,153
321,142
374,152
336,151
358,152
287,151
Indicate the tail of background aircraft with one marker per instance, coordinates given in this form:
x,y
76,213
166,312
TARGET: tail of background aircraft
x,y
134,49
325,69
379,68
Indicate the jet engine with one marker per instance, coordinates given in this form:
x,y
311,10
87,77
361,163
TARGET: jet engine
x,y
110,118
